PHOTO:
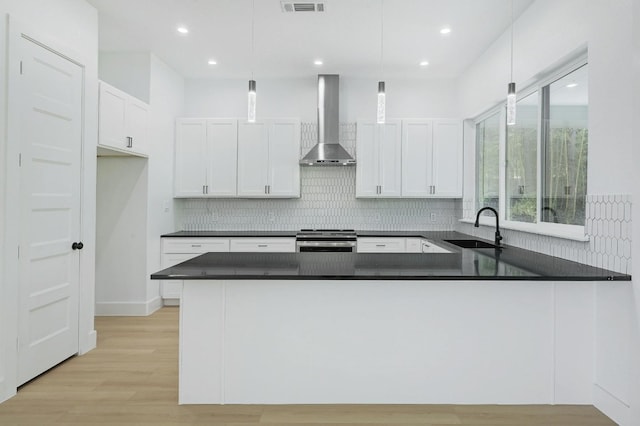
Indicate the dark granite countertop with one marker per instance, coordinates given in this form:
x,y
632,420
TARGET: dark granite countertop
x,y
509,263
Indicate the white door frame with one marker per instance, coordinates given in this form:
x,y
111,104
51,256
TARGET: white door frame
x,y
9,279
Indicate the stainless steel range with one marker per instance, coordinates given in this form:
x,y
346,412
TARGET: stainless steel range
x,y
326,240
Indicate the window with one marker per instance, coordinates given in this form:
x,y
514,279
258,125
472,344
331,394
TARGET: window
x,y
522,162
488,162
542,184
566,138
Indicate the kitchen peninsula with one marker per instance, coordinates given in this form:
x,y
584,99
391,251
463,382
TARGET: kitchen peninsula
x,y
472,326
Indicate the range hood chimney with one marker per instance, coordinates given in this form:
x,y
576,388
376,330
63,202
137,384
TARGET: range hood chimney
x,y
328,152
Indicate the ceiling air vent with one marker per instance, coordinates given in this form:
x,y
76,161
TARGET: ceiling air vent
x,y
304,6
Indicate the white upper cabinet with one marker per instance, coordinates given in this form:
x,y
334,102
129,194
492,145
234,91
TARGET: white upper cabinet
x,y
253,159
205,157
222,157
123,124
432,158
268,155
447,158
190,158
379,162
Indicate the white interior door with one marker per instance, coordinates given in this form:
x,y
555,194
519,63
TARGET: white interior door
x,y
50,103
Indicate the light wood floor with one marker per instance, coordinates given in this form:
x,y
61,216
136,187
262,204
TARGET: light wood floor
x,y
132,379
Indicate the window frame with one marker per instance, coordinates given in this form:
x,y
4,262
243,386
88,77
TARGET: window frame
x,y
574,232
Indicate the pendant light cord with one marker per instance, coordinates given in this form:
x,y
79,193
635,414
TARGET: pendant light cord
x,y
253,7
381,39
511,40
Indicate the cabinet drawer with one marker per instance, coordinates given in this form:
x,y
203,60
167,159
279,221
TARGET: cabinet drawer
x,y
414,245
381,245
194,245
273,245
429,247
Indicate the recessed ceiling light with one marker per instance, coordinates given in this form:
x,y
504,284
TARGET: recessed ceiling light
x,y
445,30
317,62
424,63
182,30
212,62
572,85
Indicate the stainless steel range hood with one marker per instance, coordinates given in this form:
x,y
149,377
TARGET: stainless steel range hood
x,y
328,152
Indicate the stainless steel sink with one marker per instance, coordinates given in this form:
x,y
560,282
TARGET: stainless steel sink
x,y
471,244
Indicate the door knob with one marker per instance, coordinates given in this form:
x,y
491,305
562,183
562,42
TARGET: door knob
x,y
77,246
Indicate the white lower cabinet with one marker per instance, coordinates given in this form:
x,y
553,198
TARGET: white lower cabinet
x,y
398,245
272,245
413,245
381,245
178,250
429,247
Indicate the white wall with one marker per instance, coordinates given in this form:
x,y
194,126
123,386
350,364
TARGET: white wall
x,y
128,71
299,98
546,34
121,235
167,103
71,27
635,347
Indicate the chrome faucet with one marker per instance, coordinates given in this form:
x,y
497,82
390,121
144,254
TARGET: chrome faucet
x,y
477,224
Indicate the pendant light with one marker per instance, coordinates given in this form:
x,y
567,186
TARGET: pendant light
x,y
251,98
511,88
381,115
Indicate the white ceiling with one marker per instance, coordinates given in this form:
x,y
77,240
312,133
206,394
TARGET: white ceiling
x,y
346,36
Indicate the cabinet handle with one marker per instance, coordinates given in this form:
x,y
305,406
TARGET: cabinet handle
x,y
77,246
262,245
129,142
196,245
203,189
207,189
381,245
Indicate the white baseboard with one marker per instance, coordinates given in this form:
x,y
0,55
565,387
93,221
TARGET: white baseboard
x,y
6,391
128,309
90,344
611,406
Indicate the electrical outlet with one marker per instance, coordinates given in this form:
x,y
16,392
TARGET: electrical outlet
x,y
432,217
272,216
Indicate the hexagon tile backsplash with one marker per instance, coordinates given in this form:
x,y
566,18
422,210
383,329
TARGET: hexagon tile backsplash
x,y
608,226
